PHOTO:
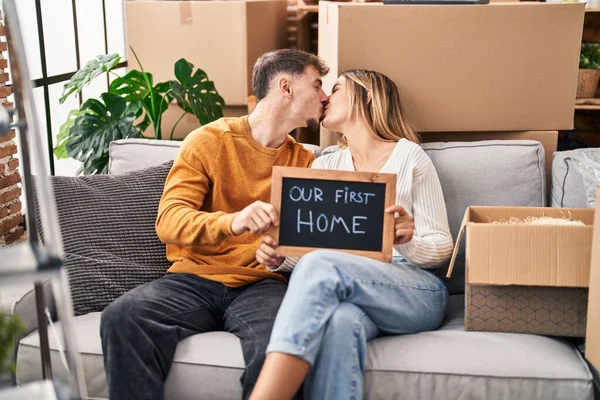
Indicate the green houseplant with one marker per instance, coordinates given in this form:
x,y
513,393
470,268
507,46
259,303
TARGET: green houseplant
x,y
589,70
132,105
10,326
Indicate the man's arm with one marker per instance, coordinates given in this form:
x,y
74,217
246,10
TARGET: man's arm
x,y
179,220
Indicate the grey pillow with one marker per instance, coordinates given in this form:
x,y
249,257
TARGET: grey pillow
x,y
486,173
107,224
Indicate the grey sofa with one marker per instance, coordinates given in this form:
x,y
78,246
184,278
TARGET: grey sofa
x,y
449,363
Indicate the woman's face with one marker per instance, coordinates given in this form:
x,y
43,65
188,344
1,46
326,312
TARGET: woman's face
x,y
336,111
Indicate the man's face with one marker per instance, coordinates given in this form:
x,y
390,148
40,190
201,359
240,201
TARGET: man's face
x,y
309,100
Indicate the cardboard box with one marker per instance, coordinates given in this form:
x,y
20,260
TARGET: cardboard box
x,y
526,278
223,38
496,67
592,342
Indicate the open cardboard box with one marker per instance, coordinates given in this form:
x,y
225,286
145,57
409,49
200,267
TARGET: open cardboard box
x,y
526,278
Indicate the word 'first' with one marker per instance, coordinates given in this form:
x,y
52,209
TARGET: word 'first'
x,y
315,194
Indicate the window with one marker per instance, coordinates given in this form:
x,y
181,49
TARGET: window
x,y
60,37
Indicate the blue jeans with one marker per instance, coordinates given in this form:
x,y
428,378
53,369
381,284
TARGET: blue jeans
x,y
336,302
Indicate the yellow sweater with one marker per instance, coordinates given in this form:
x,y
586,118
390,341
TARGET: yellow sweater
x,y
220,169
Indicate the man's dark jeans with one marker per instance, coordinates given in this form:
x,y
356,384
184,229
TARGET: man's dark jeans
x,y
140,330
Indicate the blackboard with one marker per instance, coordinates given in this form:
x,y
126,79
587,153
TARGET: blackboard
x,y
338,210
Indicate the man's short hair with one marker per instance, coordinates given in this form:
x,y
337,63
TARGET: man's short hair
x,y
276,62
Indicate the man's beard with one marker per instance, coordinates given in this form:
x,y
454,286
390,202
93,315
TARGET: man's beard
x,y
313,124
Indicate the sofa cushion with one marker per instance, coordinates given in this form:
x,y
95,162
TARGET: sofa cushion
x,y
130,154
491,173
127,155
445,364
568,189
107,224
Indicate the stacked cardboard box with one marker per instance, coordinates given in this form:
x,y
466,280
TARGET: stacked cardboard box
x,y
223,38
460,68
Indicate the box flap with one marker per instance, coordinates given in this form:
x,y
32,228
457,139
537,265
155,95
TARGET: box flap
x,y
488,214
461,232
528,254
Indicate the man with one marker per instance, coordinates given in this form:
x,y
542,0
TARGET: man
x,y
213,210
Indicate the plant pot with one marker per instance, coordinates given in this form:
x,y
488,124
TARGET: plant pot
x,y
587,83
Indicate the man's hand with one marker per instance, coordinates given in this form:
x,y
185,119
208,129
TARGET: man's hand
x,y
258,218
266,254
404,225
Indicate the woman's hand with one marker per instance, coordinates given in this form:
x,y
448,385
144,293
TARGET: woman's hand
x,y
266,254
404,225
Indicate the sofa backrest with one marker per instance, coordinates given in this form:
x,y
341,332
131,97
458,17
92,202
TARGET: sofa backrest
x,y
127,155
495,172
132,154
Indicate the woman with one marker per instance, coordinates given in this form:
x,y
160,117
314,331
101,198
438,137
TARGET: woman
x,y
336,302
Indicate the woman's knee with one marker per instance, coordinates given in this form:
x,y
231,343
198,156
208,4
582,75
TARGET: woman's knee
x,y
318,264
316,271
346,321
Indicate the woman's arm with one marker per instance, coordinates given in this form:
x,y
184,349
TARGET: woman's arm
x,y
287,265
431,244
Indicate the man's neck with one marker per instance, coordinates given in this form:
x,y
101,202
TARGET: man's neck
x,y
269,124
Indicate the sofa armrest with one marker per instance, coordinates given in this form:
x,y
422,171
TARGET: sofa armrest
x,y
25,309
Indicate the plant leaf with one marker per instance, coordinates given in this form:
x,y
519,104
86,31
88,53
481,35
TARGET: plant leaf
x,y
195,93
10,327
60,151
100,124
133,86
137,86
589,58
99,65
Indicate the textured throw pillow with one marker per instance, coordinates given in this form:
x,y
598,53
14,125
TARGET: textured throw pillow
x,y
107,224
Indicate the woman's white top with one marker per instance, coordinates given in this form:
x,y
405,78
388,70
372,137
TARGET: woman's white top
x,y
418,190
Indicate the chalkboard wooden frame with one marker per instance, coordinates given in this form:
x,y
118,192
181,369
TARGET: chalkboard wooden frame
x,y
279,173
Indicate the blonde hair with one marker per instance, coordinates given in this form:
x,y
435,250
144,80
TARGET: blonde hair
x,y
376,100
